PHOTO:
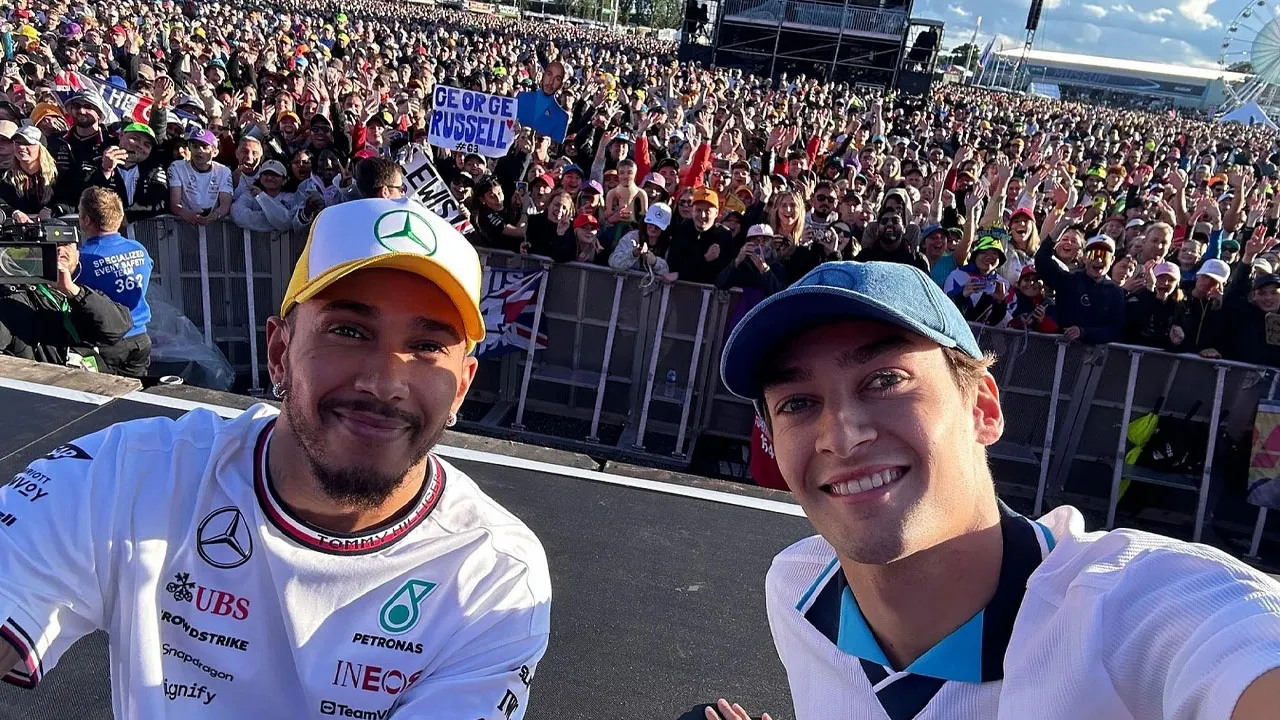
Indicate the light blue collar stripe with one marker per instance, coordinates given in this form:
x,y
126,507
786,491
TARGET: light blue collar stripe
x,y
957,657
855,636
1049,540
819,582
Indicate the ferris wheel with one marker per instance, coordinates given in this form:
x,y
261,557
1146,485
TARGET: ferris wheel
x,y
1251,45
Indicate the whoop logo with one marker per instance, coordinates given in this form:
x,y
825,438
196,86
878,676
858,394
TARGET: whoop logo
x,y
405,231
401,611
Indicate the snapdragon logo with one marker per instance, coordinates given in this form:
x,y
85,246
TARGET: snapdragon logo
x,y
401,611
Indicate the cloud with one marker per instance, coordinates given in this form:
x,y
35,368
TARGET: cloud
x,y
1095,10
1197,11
1156,16
1090,33
959,10
1052,4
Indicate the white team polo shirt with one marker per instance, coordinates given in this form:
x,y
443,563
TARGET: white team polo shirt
x,y
221,604
1115,625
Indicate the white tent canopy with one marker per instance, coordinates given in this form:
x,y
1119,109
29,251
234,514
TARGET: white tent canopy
x,y
1248,114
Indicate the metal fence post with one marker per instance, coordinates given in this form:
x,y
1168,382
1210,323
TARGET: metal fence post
x,y
533,347
693,372
604,362
253,310
1134,359
1214,419
1052,421
652,371
205,304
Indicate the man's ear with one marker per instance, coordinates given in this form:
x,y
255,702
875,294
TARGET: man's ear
x,y
278,332
988,417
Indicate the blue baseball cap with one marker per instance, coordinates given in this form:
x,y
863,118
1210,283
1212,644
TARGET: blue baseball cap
x,y
885,292
931,229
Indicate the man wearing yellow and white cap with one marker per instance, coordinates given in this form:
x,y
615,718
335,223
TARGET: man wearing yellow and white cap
x,y
318,561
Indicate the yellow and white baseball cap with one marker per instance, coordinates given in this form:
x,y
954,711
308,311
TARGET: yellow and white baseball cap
x,y
400,234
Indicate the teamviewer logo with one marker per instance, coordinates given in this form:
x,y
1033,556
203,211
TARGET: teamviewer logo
x,y
328,707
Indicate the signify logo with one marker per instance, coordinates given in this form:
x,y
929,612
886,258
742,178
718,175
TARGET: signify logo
x,y
173,691
401,612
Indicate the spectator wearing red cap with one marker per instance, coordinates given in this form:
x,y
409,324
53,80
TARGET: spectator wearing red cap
x,y
1032,308
586,232
1024,241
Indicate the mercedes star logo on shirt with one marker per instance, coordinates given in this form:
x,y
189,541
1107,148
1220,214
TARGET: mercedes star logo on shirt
x,y
401,230
224,539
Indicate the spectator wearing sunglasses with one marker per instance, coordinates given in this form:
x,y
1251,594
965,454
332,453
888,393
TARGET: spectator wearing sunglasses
x,y
1090,305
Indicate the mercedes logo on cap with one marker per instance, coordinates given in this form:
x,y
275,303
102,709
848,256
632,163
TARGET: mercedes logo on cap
x,y
224,539
405,231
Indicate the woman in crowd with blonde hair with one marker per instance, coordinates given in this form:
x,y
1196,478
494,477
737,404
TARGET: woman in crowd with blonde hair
x,y
27,186
786,217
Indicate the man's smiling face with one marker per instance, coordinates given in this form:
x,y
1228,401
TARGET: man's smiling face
x,y
866,421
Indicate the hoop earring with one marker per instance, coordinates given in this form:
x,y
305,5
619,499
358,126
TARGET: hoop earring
x,y
279,390
453,420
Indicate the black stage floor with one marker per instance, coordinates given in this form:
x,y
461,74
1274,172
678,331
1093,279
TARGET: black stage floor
x,y
658,601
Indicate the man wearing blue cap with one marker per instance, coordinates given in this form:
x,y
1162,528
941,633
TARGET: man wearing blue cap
x,y
924,596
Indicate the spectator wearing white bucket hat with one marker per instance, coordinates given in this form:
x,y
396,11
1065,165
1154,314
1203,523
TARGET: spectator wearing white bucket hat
x,y
642,248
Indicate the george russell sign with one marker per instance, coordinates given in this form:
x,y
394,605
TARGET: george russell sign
x,y
470,121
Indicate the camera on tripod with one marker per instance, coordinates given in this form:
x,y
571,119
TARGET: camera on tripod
x,y
29,251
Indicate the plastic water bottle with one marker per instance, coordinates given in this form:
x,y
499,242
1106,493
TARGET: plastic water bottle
x,y
670,388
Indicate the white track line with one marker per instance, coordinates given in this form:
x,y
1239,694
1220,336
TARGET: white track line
x,y
52,391
456,453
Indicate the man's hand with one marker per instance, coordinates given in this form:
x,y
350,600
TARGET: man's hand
x,y
1210,354
1177,335
729,711
65,284
712,253
9,658
1072,333
112,158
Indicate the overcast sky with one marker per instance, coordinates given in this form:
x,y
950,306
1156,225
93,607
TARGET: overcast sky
x,y
1189,32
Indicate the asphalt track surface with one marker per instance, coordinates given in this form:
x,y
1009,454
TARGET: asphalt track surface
x,y
658,602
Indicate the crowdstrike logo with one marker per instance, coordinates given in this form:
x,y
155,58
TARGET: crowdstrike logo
x,y
405,231
215,639
401,611
224,539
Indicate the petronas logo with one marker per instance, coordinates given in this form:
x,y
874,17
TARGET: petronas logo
x,y
400,612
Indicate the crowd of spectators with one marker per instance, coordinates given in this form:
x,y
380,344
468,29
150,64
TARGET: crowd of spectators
x,y
1100,223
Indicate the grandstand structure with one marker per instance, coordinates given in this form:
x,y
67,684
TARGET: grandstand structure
x,y
863,42
1112,79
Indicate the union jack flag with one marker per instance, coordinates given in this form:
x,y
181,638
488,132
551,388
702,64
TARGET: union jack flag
x,y
510,300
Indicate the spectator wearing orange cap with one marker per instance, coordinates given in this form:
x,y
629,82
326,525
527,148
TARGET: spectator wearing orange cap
x,y
700,248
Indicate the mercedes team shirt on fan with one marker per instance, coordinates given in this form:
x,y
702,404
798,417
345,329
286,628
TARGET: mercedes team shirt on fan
x,y
1114,625
220,603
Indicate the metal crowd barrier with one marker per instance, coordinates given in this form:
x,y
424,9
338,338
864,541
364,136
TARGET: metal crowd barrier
x,y
631,367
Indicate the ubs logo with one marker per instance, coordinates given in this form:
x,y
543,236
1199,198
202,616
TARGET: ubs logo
x,y
207,600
